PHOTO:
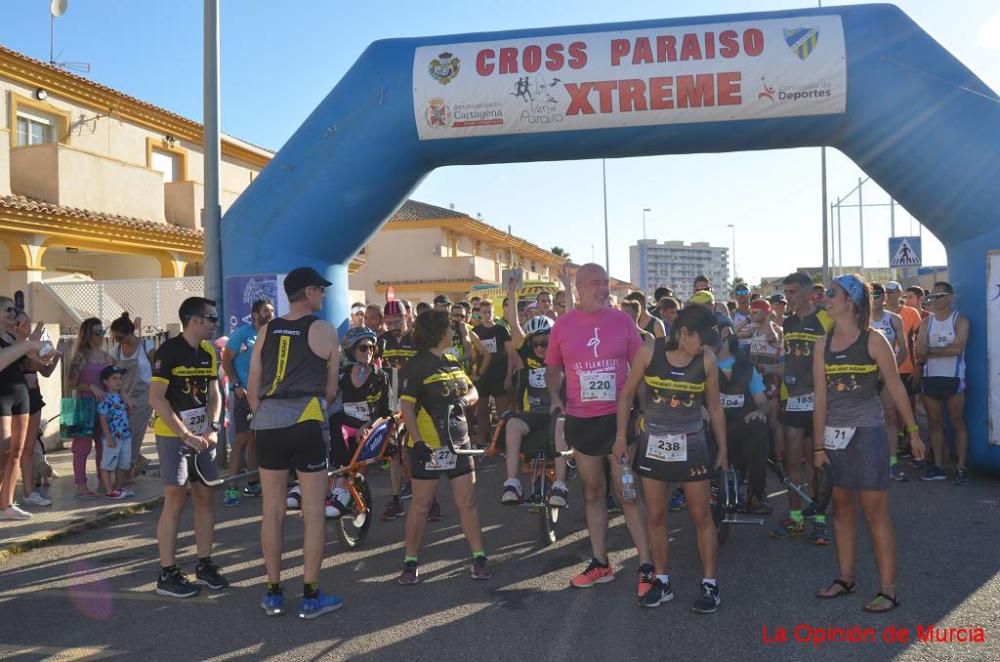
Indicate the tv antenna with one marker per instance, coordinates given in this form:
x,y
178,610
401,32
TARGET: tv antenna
x,y
56,9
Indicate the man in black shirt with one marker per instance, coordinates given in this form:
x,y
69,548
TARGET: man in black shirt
x,y
184,393
495,382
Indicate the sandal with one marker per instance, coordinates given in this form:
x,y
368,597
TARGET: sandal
x,y
843,588
881,596
88,495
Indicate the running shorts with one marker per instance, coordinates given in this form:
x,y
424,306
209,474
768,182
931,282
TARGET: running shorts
x,y
695,462
302,447
591,436
15,401
448,464
174,467
942,388
241,415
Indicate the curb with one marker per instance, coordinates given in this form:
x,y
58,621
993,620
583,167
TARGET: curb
x,y
8,550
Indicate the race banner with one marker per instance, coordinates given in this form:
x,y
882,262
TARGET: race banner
x,y
993,340
684,74
242,291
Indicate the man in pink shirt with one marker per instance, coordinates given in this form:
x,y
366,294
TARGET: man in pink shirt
x,y
593,345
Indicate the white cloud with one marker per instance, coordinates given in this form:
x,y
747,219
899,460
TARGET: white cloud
x,y
989,33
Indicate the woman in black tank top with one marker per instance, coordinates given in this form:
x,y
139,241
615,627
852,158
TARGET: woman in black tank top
x,y
850,434
31,369
681,376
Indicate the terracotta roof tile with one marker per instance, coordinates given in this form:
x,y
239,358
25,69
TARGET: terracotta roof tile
x,y
21,203
412,210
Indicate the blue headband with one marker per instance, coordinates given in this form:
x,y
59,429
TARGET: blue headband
x,y
855,288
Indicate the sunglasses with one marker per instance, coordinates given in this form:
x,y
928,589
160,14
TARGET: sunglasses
x,y
98,332
366,347
831,292
544,343
10,309
935,297
876,295
213,318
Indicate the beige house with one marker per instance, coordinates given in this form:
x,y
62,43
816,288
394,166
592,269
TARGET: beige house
x,y
424,250
100,185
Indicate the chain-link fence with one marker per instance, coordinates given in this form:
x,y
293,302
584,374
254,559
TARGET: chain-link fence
x,y
154,300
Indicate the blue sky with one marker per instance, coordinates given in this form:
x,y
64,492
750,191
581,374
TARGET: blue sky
x,y
279,59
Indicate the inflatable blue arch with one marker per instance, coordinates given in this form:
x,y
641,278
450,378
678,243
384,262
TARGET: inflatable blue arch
x,y
863,79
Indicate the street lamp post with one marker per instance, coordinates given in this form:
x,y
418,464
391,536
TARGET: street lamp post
x,y
646,209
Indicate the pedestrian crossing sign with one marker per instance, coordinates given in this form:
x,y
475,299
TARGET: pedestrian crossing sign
x,y
904,251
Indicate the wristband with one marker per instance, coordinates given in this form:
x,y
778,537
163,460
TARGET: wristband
x,y
819,450
911,428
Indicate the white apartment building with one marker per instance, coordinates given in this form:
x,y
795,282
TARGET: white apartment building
x,y
675,265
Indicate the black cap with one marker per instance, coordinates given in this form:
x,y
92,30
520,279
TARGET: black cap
x,y
303,277
441,300
778,298
112,370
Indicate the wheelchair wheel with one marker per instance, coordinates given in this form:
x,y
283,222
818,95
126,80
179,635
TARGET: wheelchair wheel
x,y
353,527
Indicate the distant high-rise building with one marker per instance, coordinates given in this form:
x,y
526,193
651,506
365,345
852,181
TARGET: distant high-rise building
x,y
676,265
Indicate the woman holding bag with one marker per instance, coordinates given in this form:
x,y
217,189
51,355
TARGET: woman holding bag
x,y
130,353
88,359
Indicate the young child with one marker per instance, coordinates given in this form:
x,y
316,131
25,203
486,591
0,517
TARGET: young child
x,y
117,459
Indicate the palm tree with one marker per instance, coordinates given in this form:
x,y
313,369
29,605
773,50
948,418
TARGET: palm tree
x,y
560,252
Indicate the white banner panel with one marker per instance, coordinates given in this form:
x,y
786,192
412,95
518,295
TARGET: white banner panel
x,y
699,73
993,342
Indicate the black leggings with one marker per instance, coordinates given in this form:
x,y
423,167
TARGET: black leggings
x,y
748,445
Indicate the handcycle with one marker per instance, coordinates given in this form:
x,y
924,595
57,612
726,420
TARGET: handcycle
x,y
538,456
822,479
728,503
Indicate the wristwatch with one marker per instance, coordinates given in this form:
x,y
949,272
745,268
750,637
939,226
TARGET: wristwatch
x,y
214,425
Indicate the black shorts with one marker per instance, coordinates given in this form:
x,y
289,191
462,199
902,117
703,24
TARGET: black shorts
x,y
15,401
536,422
301,447
491,385
241,415
35,401
463,465
696,464
942,388
907,379
592,436
803,420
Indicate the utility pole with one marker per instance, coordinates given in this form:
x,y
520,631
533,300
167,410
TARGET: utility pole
x,y
211,214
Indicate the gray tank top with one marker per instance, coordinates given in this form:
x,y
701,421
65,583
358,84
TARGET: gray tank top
x,y
852,376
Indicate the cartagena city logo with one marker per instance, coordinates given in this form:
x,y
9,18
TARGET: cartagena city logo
x,y
437,114
801,41
778,93
444,68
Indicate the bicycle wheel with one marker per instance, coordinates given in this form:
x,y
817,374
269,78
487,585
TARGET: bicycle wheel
x,y
548,521
353,527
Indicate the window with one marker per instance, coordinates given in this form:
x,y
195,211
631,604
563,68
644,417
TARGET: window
x,y
168,164
35,128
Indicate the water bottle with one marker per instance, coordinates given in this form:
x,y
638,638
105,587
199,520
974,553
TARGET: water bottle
x,y
46,349
628,482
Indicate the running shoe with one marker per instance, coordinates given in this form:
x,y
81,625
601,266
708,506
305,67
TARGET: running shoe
x,y
896,473
758,505
273,604
321,604
613,506
294,498
335,506
820,534
127,492
678,500
788,527
35,499
657,594
961,476
207,573
479,569
115,494
406,491
558,496
646,578
512,494
594,573
435,513
709,600
393,509
231,498
14,514
410,574
934,472
252,490
175,584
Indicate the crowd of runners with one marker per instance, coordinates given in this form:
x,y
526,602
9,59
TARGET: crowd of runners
x,y
649,395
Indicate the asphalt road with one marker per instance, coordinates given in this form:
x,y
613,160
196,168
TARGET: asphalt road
x,y
91,595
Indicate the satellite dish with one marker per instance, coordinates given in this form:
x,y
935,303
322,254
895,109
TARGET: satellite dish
x,y
58,7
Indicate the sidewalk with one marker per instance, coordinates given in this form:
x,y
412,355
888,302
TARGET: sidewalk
x,y
67,514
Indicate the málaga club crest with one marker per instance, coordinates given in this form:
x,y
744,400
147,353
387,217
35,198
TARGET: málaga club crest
x,y
444,68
